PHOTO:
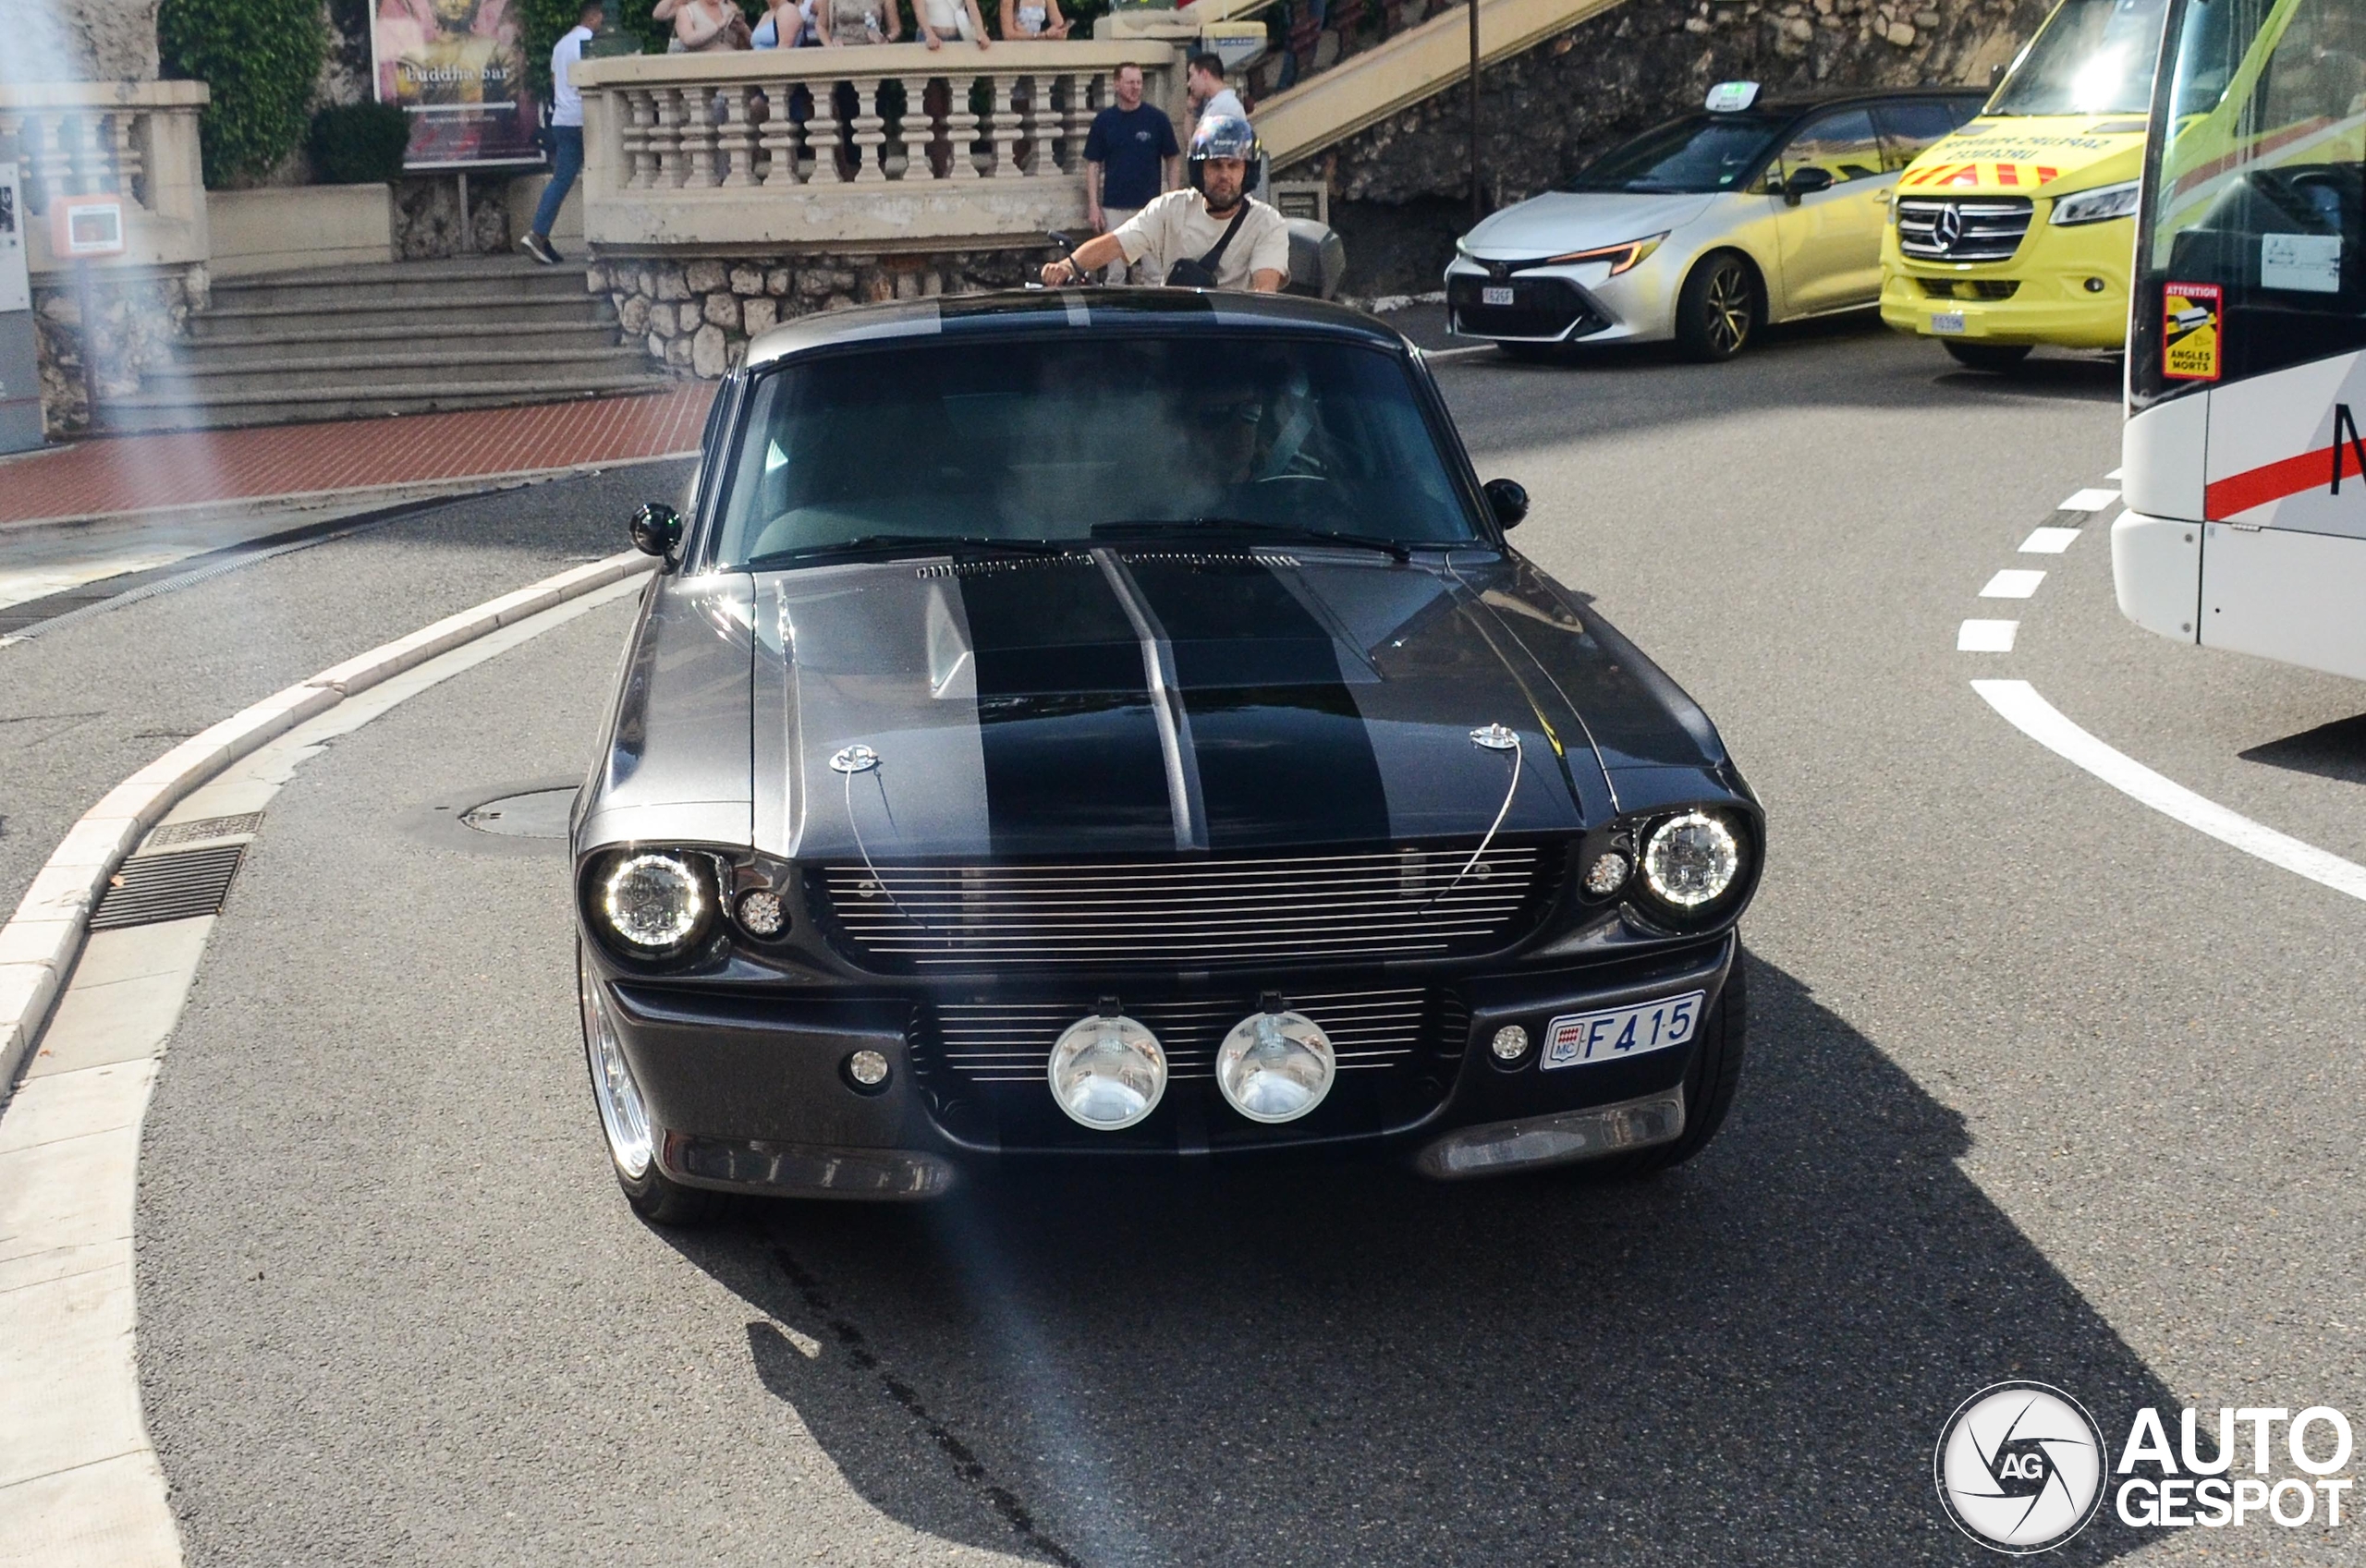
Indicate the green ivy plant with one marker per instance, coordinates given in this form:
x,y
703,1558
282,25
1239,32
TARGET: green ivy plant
x,y
259,57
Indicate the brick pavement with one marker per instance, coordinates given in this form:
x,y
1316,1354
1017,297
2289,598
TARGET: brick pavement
x,y
136,473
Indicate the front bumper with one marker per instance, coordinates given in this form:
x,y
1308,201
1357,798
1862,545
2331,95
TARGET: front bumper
x,y
1561,304
748,1091
2050,302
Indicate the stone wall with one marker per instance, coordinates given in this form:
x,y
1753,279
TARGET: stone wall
x,y
141,317
696,316
1546,113
78,40
427,216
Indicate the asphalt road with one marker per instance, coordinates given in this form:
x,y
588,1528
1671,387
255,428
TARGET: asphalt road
x,y
2042,1085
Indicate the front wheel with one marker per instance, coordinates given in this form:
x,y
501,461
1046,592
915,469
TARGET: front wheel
x,y
1997,358
1716,311
624,1119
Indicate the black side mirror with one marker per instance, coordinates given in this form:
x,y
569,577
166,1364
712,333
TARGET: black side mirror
x,y
1507,499
1805,182
657,529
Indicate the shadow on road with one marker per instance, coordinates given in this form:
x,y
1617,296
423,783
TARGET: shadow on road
x,y
2330,751
1746,1361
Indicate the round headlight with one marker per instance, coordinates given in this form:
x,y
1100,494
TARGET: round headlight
x,y
653,902
1107,1072
1691,860
1275,1066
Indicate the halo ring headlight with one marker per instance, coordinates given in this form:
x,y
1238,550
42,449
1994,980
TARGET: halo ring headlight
x,y
653,902
1107,1072
1691,860
1275,1066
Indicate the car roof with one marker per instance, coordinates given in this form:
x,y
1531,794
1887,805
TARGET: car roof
x,y
1131,311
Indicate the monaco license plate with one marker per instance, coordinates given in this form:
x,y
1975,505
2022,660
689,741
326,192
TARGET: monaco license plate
x,y
1946,321
1577,1038
1493,295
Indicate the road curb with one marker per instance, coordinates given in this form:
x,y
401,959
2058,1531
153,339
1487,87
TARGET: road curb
x,y
41,941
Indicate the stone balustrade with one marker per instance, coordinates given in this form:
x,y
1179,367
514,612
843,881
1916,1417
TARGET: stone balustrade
x,y
137,140
888,148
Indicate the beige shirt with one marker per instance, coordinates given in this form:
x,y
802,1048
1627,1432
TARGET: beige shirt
x,y
1177,227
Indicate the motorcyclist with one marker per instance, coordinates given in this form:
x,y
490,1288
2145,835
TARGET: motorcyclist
x,y
1212,235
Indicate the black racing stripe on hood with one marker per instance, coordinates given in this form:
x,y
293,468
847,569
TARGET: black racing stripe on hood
x,y
1284,757
1070,738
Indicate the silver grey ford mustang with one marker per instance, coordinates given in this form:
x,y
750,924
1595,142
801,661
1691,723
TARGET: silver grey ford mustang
x,y
1112,724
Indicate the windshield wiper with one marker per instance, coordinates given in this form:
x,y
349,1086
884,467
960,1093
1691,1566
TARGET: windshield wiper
x,y
922,543
1156,528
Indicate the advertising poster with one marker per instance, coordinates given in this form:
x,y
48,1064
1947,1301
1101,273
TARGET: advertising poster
x,y
460,68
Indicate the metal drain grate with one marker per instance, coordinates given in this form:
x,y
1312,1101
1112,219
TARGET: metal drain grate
x,y
179,886
204,828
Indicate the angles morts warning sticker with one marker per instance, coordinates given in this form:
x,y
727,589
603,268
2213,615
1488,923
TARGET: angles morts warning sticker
x,y
2192,338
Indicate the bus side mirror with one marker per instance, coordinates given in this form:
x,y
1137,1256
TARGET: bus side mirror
x,y
1805,182
1507,499
657,529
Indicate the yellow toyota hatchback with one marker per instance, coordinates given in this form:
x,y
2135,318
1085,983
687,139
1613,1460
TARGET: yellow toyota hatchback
x,y
2019,229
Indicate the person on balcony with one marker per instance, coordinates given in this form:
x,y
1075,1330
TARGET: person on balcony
x,y
846,22
1130,158
941,19
1033,18
1212,235
702,26
566,132
783,27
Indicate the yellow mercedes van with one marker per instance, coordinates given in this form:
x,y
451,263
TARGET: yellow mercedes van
x,y
2020,228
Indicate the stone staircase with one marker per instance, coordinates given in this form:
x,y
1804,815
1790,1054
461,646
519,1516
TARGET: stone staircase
x,y
402,338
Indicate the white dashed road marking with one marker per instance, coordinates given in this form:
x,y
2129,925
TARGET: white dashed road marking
x,y
2048,542
2038,719
2012,584
2089,501
1986,636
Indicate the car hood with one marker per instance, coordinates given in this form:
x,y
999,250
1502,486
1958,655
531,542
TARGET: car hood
x,y
2029,155
1547,225
1157,702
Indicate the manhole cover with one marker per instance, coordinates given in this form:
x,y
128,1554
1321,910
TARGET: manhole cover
x,y
540,813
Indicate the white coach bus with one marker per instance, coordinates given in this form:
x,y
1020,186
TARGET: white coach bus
x,y
2243,465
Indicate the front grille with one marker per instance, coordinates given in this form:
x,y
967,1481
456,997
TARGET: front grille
x,y
1540,308
1010,1042
1195,913
1986,228
1971,288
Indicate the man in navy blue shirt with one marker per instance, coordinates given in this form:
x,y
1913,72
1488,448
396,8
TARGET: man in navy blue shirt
x,y
1130,157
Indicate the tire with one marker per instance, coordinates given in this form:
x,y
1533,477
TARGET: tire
x,y
1719,308
654,1195
1997,358
1709,1085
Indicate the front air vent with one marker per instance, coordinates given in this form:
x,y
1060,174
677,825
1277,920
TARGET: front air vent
x,y
1409,903
1982,229
180,886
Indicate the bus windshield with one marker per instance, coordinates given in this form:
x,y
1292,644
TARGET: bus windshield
x,y
2091,57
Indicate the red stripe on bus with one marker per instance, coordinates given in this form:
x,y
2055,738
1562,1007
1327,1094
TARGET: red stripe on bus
x,y
2259,149
2237,493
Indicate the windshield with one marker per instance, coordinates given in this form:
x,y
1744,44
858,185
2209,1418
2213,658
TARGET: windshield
x,y
2091,57
1052,439
1696,154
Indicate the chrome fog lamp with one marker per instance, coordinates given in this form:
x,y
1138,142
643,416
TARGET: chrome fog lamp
x,y
1276,1065
623,1115
1106,1071
1691,860
654,903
